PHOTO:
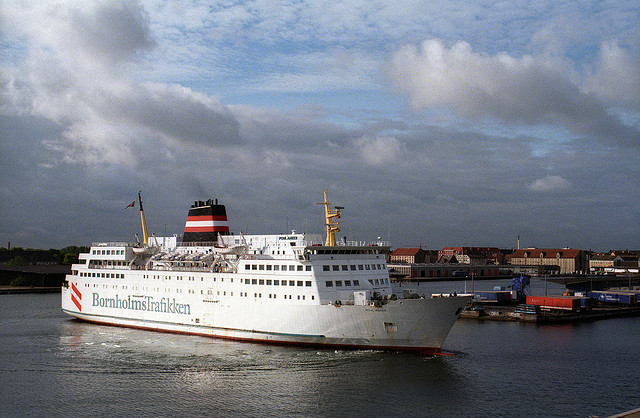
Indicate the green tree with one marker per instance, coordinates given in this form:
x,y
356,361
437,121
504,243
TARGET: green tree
x,y
18,261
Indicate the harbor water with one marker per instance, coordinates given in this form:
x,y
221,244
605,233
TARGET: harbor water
x,y
52,365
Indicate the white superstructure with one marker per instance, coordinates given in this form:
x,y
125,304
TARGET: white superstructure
x,y
285,289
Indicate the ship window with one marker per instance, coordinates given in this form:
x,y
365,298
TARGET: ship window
x,y
313,297
247,267
360,267
345,267
308,268
298,297
347,282
299,268
276,267
276,282
269,266
371,281
292,268
299,282
325,268
254,281
254,267
336,268
284,283
373,266
268,282
292,283
261,281
338,283
261,267
307,283
353,267
367,267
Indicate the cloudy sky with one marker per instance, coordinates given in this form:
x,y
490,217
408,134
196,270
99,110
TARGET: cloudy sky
x,y
433,123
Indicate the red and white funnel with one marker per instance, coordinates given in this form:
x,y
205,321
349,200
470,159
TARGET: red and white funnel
x,y
205,222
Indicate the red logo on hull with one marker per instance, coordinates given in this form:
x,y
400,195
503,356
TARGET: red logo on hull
x,y
76,297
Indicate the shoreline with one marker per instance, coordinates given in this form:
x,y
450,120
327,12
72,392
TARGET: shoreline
x,y
14,290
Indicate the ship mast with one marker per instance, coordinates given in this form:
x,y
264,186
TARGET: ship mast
x,y
144,222
331,221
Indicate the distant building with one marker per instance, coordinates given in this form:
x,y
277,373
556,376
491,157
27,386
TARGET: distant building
x,y
627,261
431,271
408,255
567,260
471,255
601,261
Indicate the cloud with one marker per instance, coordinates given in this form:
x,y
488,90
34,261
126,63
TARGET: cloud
x,y
78,71
263,106
378,151
549,184
112,32
616,76
531,90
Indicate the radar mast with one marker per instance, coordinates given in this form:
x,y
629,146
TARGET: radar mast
x,y
331,221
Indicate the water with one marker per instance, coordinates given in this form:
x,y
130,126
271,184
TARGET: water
x,y
52,365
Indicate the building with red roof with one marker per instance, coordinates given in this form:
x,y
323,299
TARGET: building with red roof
x,y
567,260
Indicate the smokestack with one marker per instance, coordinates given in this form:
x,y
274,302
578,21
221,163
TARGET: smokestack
x,y
205,222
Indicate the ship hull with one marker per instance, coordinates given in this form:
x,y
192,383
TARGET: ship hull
x,y
419,325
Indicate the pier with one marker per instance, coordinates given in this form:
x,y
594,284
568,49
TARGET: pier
x,y
588,282
14,290
512,313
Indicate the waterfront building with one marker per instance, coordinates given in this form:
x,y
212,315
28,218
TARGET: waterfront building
x,y
627,261
601,261
440,271
408,255
568,260
471,255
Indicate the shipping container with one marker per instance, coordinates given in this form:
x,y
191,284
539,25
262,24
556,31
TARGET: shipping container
x,y
555,302
614,297
494,296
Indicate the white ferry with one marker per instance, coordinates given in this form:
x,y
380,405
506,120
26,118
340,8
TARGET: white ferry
x,y
278,289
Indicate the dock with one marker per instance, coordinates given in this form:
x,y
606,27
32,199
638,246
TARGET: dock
x,y
516,313
14,290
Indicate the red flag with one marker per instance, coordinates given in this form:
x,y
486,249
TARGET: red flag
x,y
131,205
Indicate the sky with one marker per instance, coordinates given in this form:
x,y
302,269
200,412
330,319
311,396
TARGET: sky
x,y
441,123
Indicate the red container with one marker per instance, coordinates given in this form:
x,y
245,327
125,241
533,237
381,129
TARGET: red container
x,y
555,302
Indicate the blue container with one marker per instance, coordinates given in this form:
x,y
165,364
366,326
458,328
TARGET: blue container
x,y
494,296
614,297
